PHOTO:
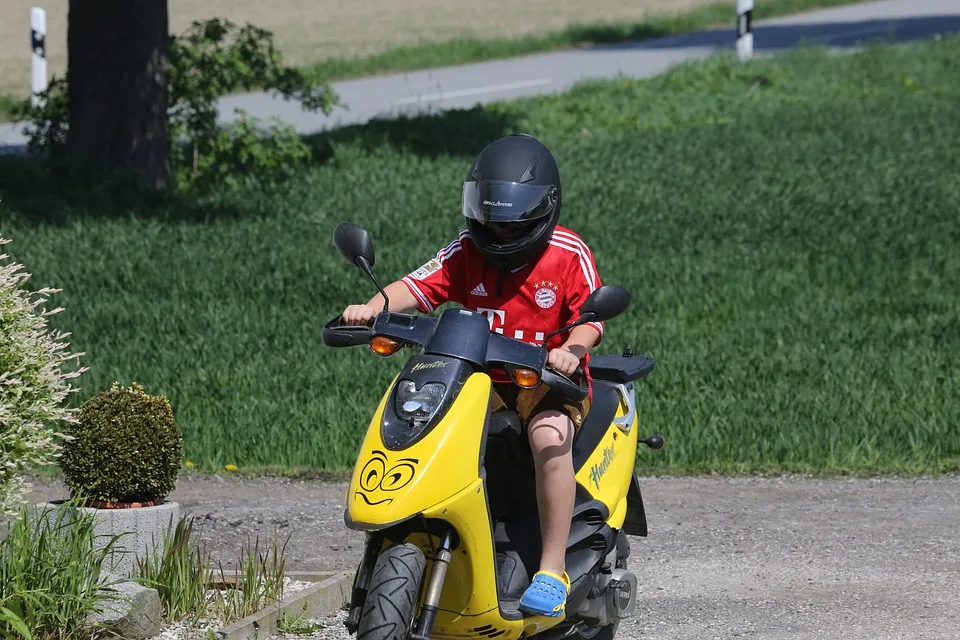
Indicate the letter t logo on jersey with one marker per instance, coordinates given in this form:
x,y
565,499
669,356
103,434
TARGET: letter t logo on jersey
x,y
496,317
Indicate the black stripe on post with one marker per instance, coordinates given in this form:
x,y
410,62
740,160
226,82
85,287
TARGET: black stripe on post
x,y
745,23
38,43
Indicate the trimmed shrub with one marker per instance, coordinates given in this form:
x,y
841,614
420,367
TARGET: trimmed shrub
x,y
126,447
33,387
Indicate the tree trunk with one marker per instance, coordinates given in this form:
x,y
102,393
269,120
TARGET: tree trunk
x,y
117,84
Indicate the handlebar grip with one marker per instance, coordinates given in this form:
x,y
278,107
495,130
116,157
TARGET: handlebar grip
x,y
335,334
564,385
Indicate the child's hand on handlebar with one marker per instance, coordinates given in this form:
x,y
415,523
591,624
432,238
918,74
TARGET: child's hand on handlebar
x,y
562,361
359,314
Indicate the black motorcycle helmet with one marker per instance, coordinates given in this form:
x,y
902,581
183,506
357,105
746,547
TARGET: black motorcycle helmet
x,y
511,199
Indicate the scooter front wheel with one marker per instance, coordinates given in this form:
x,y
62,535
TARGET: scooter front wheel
x,y
391,603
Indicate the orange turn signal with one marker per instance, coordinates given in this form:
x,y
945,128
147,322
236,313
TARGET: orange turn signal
x,y
526,378
384,346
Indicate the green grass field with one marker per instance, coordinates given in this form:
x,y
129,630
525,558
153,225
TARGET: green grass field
x,y
788,229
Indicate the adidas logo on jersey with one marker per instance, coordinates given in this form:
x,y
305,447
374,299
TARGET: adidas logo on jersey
x,y
479,290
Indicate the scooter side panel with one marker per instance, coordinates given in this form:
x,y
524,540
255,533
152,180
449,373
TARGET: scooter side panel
x,y
390,486
609,470
618,515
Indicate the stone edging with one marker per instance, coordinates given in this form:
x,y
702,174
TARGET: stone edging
x,y
330,593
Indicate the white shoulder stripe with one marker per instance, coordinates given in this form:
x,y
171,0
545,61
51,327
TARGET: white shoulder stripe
x,y
572,242
584,261
449,251
575,240
453,247
588,272
418,293
570,238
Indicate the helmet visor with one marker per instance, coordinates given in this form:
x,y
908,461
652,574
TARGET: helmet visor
x,y
499,201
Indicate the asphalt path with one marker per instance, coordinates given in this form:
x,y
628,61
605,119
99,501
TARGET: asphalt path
x,y
465,86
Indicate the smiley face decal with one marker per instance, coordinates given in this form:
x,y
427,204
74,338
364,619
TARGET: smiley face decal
x,y
376,477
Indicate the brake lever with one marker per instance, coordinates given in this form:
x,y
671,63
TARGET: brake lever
x,y
576,372
337,334
367,325
564,385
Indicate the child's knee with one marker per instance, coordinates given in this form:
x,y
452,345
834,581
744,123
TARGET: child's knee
x,y
550,429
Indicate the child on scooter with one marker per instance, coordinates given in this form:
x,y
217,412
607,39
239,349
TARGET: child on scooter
x,y
529,276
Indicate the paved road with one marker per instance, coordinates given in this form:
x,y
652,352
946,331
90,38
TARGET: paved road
x,y
787,558
465,86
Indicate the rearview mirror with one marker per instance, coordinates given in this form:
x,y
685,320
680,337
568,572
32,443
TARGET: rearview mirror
x,y
356,245
605,303
354,242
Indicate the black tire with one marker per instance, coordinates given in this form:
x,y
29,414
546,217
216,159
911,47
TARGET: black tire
x,y
603,633
388,611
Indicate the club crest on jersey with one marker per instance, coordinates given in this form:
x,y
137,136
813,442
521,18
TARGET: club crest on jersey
x,y
545,294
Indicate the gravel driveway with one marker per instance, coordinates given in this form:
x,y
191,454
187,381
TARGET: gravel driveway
x,y
771,558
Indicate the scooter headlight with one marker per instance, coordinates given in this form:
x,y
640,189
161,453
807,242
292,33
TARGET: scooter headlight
x,y
417,406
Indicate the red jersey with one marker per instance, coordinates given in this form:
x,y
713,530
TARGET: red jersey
x,y
525,303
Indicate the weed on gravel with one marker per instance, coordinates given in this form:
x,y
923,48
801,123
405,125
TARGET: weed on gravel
x,y
193,594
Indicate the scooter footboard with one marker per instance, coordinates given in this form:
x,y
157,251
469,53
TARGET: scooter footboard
x,y
469,600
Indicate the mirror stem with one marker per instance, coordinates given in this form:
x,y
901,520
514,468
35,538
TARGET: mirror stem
x,y
584,319
365,266
561,330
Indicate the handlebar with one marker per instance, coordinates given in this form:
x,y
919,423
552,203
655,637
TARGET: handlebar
x,y
335,334
564,385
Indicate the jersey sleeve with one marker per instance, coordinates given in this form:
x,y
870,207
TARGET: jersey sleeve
x,y
440,280
582,279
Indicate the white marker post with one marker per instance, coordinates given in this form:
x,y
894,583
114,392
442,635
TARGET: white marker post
x,y
38,44
745,29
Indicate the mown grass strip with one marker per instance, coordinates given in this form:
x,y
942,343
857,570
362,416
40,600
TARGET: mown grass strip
x,y
787,228
437,54
464,51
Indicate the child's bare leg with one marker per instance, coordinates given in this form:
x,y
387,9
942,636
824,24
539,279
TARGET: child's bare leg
x,y
551,441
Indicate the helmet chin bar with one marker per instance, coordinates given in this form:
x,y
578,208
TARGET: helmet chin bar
x,y
513,254
515,231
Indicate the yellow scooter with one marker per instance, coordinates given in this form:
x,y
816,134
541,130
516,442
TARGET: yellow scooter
x,y
445,491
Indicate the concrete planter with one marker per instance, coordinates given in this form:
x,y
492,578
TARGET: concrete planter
x,y
142,529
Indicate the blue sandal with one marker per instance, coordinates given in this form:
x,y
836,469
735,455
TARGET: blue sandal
x,y
546,595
